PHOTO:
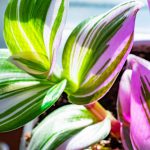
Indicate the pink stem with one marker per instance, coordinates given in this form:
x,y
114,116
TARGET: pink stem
x,y
101,113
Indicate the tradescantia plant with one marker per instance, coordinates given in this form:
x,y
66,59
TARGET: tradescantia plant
x,y
92,58
33,38
133,104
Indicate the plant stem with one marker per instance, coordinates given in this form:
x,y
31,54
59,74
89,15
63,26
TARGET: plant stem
x,y
101,113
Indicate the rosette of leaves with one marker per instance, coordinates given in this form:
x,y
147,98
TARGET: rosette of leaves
x,y
92,57
94,39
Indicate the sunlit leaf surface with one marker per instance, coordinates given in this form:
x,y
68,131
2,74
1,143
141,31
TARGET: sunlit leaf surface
x,y
96,51
33,31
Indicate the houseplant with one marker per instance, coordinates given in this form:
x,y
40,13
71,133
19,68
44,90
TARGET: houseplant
x,y
88,73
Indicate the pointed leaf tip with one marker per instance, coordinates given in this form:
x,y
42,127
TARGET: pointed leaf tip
x,y
96,51
139,4
133,59
37,31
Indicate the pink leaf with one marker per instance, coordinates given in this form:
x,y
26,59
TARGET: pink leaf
x,y
134,104
140,107
123,106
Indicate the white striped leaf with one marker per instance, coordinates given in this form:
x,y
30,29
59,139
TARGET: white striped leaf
x,y
5,65
23,99
59,126
96,51
88,136
32,31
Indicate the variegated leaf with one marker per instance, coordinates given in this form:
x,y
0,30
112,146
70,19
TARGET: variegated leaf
x,y
22,98
124,108
131,59
33,31
5,65
140,107
88,136
96,51
133,104
59,126
124,97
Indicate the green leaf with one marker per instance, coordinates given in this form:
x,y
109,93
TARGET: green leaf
x,y
96,51
5,65
36,65
22,98
88,136
59,126
33,31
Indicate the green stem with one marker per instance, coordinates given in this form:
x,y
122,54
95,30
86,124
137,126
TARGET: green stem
x,y
101,113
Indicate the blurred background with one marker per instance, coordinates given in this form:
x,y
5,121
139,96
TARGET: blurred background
x,y
82,9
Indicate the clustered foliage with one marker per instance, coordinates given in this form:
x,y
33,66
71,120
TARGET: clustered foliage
x,y
32,80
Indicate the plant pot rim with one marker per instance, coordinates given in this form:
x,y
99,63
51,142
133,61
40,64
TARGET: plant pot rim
x,y
142,39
